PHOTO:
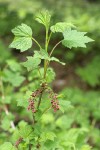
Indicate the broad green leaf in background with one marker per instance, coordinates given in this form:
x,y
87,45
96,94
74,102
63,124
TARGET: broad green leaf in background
x,y
61,27
22,40
31,63
7,146
65,105
47,136
23,101
64,122
13,65
73,38
85,147
5,124
26,132
4,52
72,135
47,118
15,135
6,121
84,73
22,124
50,76
52,145
14,78
7,100
43,17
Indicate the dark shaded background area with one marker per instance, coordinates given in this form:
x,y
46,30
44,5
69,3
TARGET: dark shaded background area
x,y
79,80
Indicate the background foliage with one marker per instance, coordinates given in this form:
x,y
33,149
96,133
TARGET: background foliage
x,y
79,80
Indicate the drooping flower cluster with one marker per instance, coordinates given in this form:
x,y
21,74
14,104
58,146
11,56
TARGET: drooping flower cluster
x,y
33,96
54,100
31,106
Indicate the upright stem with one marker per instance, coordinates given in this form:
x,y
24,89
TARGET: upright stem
x,y
46,49
46,41
47,63
49,37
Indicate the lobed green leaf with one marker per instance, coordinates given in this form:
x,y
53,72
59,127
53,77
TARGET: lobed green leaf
x,y
13,65
73,38
26,132
14,78
7,146
43,17
22,40
47,136
61,27
42,54
57,60
31,63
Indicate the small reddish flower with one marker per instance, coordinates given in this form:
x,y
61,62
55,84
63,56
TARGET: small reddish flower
x,y
54,100
31,105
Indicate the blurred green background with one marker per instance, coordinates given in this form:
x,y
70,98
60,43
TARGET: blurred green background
x,y
79,80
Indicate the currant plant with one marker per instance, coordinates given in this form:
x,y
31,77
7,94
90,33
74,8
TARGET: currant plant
x,y
31,137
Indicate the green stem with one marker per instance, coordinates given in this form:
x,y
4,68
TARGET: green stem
x,y
45,66
36,42
47,63
49,37
40,98
54,47
46,49
46,40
